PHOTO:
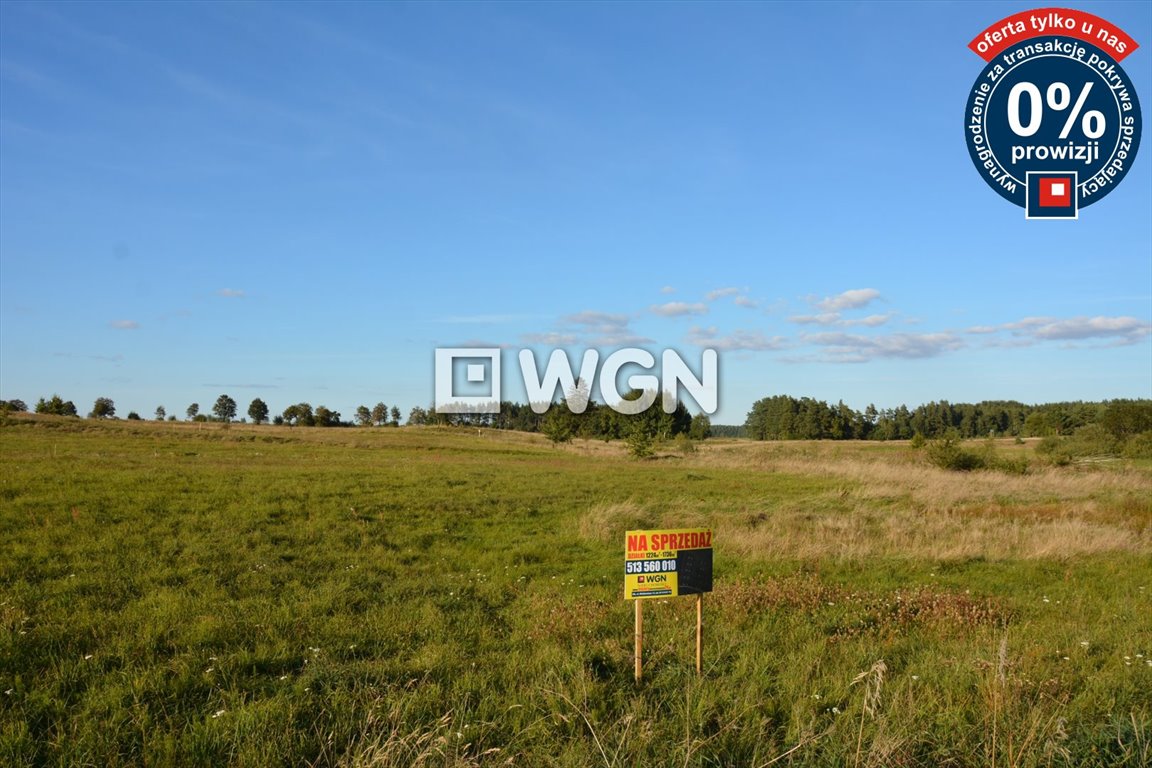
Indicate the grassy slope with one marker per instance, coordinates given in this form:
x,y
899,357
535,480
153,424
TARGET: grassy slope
x,y
187,594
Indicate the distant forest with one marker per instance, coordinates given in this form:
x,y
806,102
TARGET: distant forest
x,y
787,418
781,417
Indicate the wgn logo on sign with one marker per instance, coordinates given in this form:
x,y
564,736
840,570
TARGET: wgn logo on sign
x,y
468,380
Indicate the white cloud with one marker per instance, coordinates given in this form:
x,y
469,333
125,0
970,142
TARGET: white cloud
x,y
230,293
1030,330
602,329
667,289
597,322
753,341
744,301
854,348
475,343
852,299
872,321
552,339
679,309
720,293
825,318
125,325
1130,329
836,319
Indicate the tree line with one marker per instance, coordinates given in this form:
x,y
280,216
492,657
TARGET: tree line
x,y
783,417
557,422
780,417
225,409
596,421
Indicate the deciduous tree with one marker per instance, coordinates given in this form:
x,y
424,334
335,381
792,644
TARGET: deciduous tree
x,y
363,416
103,408
225,408
258,411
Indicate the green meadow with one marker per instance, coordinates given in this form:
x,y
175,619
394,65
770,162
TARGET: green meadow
x,y
212,595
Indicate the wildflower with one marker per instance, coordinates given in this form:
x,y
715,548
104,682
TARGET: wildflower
x,y
87,656
218,713
9,692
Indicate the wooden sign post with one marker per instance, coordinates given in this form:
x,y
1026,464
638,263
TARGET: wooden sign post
x,y
639,639
699,633
667,563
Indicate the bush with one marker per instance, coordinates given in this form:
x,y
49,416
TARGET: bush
x,y
640,442
946,453
1087,441
1139,446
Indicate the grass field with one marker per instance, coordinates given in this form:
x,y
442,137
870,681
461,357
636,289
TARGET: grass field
x,y
179,594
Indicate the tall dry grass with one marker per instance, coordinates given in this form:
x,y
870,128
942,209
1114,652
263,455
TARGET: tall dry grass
x,y
878,501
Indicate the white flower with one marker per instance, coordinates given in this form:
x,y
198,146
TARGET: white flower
x,y
218,713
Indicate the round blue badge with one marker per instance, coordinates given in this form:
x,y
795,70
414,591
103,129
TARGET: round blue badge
x,y
1052,125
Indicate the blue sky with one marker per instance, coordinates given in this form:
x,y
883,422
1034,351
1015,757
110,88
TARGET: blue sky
x,y
300,202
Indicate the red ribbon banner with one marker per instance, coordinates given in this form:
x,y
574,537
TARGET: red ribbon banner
x,y
1047,22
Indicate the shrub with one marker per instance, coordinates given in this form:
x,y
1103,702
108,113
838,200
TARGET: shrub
x,y
946,453
1139,446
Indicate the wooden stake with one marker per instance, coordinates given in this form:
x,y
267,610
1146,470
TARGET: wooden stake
x,y
699,634
639,637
